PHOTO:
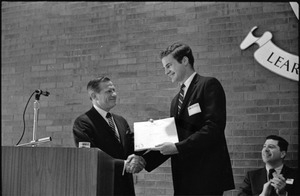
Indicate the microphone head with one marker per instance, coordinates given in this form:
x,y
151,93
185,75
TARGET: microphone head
x,y
40,92
46,93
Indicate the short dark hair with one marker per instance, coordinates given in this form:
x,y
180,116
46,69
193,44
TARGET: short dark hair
x,y
282,143
179,50
94,84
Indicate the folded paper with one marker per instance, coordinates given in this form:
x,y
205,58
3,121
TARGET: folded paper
x,y
148,134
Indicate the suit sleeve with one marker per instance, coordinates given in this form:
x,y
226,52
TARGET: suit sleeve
x,y
206,128
154,159
119,165
245,188
81,130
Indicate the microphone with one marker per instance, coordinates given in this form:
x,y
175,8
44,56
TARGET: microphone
x,y
40,92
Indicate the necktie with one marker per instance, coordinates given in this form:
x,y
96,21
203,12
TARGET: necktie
x,y
271,171
180,99
112,125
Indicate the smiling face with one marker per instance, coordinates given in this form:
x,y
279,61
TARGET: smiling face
x,y
175,70
271,153
107,97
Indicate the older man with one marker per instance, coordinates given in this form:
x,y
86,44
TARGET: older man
x,y
110,133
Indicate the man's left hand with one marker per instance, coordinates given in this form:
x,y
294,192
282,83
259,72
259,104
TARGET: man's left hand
x,y
167,148
278,182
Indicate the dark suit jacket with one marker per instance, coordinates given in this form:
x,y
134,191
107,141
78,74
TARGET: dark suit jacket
x,y
202,166
255,180
91,127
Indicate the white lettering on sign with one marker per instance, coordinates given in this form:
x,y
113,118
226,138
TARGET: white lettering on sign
x,y
272,57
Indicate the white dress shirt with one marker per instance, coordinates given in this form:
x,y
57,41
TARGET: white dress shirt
x,y
187,83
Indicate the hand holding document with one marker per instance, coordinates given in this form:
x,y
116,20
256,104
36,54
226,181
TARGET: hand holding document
x,y
149,134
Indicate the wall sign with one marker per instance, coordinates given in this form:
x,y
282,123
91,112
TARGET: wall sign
x,y
272,57
295,7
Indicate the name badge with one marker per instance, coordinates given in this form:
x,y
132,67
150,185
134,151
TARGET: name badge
x,y
289,181
194,109
84,145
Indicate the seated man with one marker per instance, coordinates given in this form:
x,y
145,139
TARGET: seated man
x,y
275,178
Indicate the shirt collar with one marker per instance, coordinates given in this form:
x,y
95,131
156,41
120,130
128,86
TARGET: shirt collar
x,y
188,82
100,111
277,169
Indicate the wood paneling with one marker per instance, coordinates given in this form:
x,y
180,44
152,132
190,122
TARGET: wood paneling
x,y
56,171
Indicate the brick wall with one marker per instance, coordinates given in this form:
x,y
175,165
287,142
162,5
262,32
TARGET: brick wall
x,y
60,46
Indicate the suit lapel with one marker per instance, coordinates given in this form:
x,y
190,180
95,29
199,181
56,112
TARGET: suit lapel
x,y
259,178
263,176
100,123
176,104
97,119
188,93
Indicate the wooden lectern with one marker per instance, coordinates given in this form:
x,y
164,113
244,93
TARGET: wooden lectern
x,y
44,171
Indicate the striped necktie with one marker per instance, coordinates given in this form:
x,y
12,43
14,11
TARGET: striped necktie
x,y
180,99
112,125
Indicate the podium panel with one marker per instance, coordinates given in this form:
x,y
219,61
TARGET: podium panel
x,y
56,171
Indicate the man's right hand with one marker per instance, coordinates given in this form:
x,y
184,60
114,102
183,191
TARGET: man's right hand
x,y
266,189
135,164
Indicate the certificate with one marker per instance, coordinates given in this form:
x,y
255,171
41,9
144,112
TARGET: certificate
x,y
149,134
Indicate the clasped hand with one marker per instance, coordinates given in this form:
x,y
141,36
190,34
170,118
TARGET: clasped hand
x,y
135,164
278,182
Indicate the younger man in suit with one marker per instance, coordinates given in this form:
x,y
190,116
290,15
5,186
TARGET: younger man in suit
x,y
110,133
200,160
275,178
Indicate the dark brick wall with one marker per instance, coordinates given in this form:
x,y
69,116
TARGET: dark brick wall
x,y
60,46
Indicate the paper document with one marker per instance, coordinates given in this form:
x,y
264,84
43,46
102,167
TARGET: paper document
x,y
149,134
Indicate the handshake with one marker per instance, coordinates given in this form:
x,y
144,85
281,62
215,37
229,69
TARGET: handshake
x,y
134,164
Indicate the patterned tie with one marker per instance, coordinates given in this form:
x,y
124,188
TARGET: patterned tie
x,y
180,99
271,171
112,125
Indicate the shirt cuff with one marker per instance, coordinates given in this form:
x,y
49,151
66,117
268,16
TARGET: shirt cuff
x,y
124,167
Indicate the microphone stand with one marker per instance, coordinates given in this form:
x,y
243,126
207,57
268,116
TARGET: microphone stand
x,y
36,107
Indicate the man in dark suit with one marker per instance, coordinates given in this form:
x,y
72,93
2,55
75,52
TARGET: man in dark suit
x,y
110,133
275,178
200,160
